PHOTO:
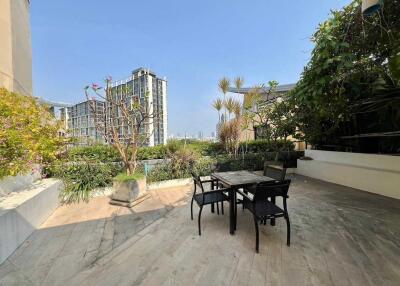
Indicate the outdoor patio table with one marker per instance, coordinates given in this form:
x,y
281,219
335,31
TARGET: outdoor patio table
x,y
235,180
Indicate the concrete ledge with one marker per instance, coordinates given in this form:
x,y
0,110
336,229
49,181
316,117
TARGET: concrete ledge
x,y
23,212
20,182
169,184
379,174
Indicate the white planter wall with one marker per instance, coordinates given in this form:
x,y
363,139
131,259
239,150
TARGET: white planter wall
x,y
379,174
24,211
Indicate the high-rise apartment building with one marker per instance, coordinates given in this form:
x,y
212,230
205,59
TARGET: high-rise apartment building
x,y
141,84
80,121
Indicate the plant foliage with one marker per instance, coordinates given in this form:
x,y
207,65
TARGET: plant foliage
x,y
28,133
349,97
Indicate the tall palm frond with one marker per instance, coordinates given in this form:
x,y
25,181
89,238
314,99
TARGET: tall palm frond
x,y
218,104
237,109
239,81
223,85
230,105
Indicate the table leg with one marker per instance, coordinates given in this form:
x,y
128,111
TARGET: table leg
x,y
235,199
232,212
273,200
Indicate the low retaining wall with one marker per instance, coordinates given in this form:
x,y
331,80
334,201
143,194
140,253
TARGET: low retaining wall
x,y
24,211
379,174
20,182
169,184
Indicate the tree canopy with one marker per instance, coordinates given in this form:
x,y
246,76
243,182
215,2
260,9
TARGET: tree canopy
x,y
348,97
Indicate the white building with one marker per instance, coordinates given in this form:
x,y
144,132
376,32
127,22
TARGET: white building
x,y
80,122
140,84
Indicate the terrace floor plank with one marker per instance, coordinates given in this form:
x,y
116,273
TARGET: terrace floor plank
x,y
340,236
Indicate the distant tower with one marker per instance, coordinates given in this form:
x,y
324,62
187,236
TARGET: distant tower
x,y
145,83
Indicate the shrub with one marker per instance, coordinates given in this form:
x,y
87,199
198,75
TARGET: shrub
x,y
99,152
28,133
106,153
123,177
82,178
179,169
261,146
156,152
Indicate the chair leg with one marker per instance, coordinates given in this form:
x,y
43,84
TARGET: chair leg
x,y
212,208
257,234
273,200
201,208
287,229
191,209
217,208
222,208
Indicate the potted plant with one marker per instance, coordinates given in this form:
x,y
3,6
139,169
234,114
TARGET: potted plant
x,y
129,190
126,127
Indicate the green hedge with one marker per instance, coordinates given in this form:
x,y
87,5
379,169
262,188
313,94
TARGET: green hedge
x,y
167,171
206,165
261,146
106,153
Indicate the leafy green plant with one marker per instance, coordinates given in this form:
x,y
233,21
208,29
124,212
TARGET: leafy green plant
x,y
102,153
80,179
350,86
28,134
125,178
261,146
106,153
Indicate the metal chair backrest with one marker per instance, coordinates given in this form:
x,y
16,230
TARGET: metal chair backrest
x,y
276,173
264,191
197,182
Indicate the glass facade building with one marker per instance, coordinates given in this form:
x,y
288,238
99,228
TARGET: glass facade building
x,y
81,122
143,84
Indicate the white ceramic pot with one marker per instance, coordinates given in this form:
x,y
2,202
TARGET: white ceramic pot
x,y
370,6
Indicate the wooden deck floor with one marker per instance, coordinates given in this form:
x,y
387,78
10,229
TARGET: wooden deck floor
x,y
340,236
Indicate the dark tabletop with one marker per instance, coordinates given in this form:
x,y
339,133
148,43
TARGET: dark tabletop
x,y
240,178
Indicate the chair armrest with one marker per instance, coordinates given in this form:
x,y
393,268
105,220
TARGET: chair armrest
x,y
209,181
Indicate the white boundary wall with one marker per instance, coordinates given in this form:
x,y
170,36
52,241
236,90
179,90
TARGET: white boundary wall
x,y
379,174
23,212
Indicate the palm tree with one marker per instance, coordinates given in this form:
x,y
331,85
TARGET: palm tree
x,y
237,108
230,106
224,87
218,104
239,81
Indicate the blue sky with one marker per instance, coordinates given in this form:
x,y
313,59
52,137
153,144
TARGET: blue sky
x,y
192,43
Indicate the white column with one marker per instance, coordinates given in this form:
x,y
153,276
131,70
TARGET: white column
x,y
151,122
165,110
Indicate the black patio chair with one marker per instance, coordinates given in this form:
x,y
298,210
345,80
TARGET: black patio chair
x,y
262,209
215,196
275,172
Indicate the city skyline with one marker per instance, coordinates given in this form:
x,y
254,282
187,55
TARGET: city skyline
x,y
192,44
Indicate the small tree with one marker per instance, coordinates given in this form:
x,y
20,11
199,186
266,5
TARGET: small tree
x,y
229,130
28,134
258,108
126,125
274,115
218,104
